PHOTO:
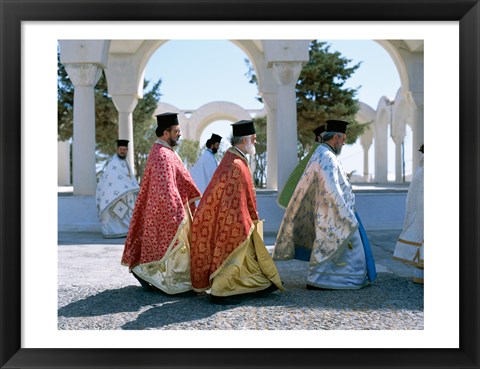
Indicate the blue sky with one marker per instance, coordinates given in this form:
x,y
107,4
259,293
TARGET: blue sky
x,y
196,72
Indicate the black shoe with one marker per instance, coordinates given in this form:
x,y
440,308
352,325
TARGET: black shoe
x,y
146,286
267,291
224,300
310,287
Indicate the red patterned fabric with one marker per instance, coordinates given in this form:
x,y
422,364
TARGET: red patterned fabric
x,y
165,188
223,219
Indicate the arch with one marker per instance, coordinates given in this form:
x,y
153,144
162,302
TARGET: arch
x,y
401,115
129,58
193,122
366,114
214,111
398,61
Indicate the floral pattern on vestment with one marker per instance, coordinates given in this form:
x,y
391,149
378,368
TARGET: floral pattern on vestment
x,y
224,218
116,181
159,211
320,217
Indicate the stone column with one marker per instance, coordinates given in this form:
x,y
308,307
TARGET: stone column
x,y
125,105
286,75
366,148
270,101
416,101
398,136
64,163
398,159
366,141
84,77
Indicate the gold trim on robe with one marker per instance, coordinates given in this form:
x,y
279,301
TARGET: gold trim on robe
x,y
228,253
158,241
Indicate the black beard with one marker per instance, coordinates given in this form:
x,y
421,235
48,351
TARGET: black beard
x,y
214,150
123,157
172,142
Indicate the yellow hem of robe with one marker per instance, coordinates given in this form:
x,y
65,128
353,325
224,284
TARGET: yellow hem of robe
x,y
172,270
248,269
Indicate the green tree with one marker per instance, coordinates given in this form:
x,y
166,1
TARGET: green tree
x,y
144,125
64,103
321,94
106,118
189,151
260,172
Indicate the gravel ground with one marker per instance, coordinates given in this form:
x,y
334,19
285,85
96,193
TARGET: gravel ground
x,y
95,302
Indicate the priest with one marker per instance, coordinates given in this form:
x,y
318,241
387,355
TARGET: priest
x,y
117,191
409,247
228,256
157,249
292,181
202,171
320,224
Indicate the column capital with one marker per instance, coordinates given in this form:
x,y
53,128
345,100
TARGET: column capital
x,y
125,103
83,74
286,72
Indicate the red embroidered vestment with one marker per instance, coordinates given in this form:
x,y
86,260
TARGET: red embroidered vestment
x,y
224,218
159,211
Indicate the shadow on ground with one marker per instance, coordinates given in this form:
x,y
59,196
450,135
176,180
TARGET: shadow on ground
x,y
157,310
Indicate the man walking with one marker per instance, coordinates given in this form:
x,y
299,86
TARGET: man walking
x,y
228,256
320,225
157,250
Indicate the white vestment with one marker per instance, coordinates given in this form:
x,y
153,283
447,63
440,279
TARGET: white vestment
x,y
320,226
409,248
117,191
203,169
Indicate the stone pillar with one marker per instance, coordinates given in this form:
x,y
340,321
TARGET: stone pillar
x,y
417,139
381,152
64,163
383,120
365,163
270,101
84,77
416,101
286,75
366,141
125,105
398,136
398,159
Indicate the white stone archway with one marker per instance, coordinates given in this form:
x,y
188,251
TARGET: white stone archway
x,y
193,122
408,57
277,64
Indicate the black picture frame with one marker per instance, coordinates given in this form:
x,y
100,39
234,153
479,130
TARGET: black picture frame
x,y
466,12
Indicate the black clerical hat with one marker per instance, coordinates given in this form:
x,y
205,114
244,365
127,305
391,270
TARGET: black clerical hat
x,y
334,125
215,138
165,120
243,128
319,130
122,143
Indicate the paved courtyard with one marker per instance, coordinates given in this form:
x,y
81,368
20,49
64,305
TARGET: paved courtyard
x,y
96,293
